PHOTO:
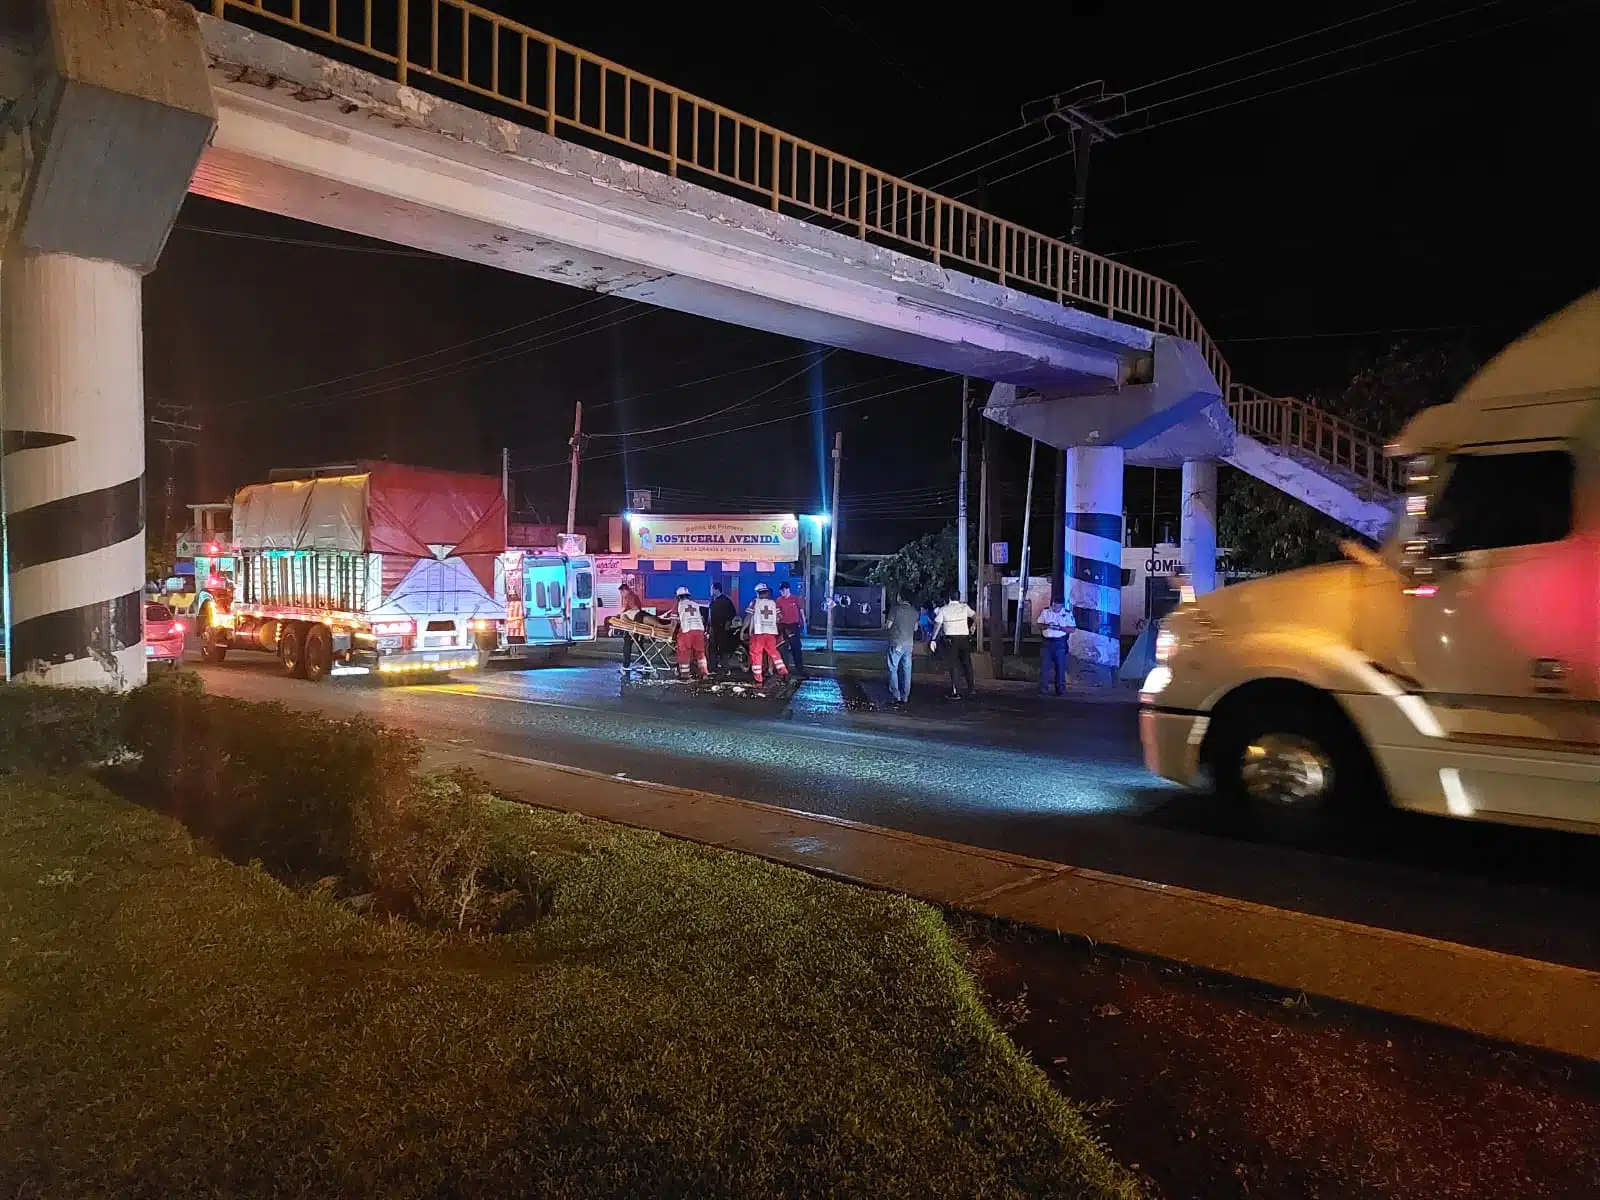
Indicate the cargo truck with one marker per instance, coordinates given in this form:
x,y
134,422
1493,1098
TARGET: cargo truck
x,y
1455,670
364,568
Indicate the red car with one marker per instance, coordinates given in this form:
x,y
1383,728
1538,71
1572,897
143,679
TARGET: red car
x,y
163,636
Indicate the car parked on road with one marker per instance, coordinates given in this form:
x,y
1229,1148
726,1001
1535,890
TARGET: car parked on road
x,y
163,636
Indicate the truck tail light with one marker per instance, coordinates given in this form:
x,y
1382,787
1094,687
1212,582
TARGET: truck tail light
x,y
393,628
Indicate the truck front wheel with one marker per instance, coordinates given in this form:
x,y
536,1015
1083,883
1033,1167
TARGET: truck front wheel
x,y
213,647
1293,760
318,652
292,649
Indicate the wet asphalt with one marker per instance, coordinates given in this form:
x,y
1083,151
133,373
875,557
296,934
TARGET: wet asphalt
x,y
1053,779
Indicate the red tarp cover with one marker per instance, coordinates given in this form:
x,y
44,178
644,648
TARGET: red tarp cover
x,y
412,508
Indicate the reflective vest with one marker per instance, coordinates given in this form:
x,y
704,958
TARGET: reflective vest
x,y
764,616
689,619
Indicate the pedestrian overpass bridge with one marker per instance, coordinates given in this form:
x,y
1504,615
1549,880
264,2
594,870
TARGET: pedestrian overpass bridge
x,y
439,125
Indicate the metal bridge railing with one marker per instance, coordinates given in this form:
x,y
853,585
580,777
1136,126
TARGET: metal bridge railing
x,y
456,46
1296,425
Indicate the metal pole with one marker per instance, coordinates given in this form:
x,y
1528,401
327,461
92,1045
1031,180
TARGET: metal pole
x,y
505,487
833,532
961,501
572,482
983,537
1022,577
1083,138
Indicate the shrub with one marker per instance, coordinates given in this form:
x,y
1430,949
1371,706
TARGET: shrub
x,y
57,729
436,854
263,781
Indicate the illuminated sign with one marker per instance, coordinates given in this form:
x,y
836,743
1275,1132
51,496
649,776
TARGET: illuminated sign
x,y
759,539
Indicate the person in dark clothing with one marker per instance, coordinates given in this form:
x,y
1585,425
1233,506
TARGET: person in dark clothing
x,y
723,616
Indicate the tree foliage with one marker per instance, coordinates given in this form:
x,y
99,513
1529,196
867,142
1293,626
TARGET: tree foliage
x,y
921,570
1269,531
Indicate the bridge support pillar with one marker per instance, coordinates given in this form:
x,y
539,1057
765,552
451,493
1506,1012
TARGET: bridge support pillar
x,y
71,374
1197,527
1094,559
109,108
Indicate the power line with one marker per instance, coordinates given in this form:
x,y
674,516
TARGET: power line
x,y
311,243
1289,41
677,387
401,362
746,403
736,429
1373,63
1300,62
471,363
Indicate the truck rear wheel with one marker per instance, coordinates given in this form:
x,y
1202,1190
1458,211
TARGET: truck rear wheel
x,y
1294,761
292,649
318,653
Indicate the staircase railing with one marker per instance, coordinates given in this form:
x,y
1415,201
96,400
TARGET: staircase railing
x,y
459,50
1294,424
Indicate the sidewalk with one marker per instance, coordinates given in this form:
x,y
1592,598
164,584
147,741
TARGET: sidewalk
x,y
1544,1005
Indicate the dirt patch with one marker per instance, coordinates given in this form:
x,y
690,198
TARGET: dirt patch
x,y
1210,1087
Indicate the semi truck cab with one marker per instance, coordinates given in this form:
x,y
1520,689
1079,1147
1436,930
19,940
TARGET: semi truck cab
x,y
1456,669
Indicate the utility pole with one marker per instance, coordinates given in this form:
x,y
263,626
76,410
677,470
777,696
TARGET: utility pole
x,y
505,488
572,481
961,499
1087,113
172,422
983,535
1022,575
833,534
993,527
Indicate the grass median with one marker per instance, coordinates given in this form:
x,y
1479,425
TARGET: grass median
x,y
677,1021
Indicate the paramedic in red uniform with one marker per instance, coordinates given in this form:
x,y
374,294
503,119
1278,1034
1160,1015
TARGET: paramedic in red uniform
x,y
762,621
792,626
691,636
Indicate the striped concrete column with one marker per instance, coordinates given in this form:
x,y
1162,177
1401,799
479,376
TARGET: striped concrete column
x,y
1197,525
1094,559
72,411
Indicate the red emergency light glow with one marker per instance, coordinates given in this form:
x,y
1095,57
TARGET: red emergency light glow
x,y
392,627
211,547
1424,590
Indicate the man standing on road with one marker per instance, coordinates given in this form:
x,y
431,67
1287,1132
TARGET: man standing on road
x,y
953,625
1055,623
630,604
691,636
792,626
762,621
901,622
723,615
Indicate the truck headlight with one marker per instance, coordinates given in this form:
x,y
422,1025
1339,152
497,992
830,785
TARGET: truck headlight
x,y
1166,645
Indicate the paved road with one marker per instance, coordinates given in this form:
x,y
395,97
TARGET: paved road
x,y
1056,780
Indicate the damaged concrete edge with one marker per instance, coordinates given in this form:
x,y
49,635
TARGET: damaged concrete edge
x,y
1232,951
244,58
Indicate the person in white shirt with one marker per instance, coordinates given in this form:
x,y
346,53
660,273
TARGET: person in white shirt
x,y
1055,623
761,619
691,635
952,624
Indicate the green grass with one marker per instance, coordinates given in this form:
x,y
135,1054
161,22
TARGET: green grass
x,y
682,1022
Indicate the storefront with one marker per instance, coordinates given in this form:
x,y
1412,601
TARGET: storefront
x,y
667,551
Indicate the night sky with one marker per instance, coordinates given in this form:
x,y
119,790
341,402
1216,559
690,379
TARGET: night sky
x,y
1437,196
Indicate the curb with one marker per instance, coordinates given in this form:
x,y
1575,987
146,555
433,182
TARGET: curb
x,y
1549,1006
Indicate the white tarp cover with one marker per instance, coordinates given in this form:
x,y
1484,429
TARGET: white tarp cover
x,y
303,514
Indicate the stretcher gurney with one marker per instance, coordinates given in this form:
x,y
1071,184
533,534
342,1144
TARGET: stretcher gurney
x,y
655,644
